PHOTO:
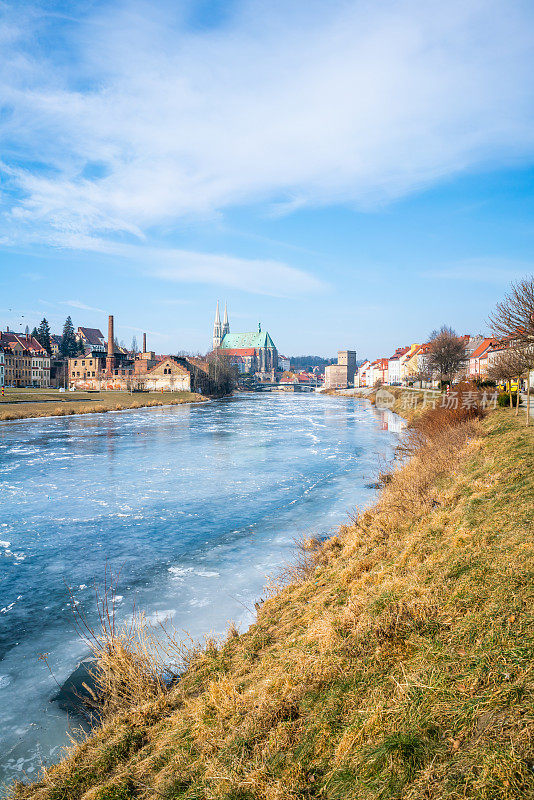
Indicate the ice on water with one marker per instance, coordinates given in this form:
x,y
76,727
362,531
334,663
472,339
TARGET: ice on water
x,y
195,506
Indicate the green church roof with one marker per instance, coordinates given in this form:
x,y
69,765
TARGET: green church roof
x,y
239,341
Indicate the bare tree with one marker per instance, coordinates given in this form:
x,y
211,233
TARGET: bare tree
x,y
222,373
527,361
513,317
447,354
506,368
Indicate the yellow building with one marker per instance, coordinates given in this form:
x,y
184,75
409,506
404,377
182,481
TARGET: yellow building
x,y
27,364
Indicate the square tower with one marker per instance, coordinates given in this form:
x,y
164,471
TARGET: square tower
x,y
347,358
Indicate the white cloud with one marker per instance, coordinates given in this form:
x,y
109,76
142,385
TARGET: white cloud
x,y
261,276
143,120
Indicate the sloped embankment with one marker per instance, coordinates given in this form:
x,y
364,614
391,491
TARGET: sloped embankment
x,y
398,664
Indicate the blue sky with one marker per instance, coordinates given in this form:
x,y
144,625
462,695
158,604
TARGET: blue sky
x,y
351,174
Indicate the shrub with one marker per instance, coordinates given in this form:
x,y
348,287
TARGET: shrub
x,y
484,383
464,404
504,399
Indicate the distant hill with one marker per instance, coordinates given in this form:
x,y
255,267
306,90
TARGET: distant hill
x,y
308,362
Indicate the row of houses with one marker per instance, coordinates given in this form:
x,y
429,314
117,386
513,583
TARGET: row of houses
x,y
23,361
101,365
409,365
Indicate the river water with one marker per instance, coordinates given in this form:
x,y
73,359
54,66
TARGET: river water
x,y
195,505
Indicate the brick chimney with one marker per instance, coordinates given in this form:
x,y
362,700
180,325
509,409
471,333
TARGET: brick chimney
x,y
144,342
110,360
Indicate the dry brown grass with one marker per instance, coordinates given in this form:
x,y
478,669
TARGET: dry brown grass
x,y
397,665
100,403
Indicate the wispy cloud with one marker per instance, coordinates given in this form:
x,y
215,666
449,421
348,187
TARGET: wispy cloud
x,y
482,270
259,276
82,306
141,120
136,329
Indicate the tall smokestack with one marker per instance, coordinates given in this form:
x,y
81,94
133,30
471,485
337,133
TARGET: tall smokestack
x,y
111,345
110,360
144,343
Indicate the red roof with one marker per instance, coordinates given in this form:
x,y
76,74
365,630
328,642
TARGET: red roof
x,y
288,377
240,351
400,351
28,342
482,347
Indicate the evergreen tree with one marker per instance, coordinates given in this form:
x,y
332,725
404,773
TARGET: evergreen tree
x,y
27,330
35,333
69,347
43,335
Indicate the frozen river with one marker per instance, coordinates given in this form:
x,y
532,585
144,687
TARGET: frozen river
x,y
196,505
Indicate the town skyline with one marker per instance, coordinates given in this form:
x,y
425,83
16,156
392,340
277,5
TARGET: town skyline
x,y
150,187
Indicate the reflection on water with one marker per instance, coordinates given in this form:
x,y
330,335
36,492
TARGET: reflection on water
x,y
196,505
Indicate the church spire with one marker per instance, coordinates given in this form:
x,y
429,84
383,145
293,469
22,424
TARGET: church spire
x,y
217,330
226,324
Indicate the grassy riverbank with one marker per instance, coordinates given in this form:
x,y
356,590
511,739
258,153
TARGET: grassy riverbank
x,y
29,403
397,663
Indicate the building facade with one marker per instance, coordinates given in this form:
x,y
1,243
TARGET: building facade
x,y
168,376
341,375
395,366
252,353
92,339
2,366
115,370
26,362
361,376
478,361
284,363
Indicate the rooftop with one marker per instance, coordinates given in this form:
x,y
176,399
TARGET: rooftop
x,y
240,341
92,335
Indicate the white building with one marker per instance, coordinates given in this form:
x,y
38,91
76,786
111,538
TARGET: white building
x,y
363,374
92,339
284,363
2,368
395,366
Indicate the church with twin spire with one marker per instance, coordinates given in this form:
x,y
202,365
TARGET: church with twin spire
x,y
252,352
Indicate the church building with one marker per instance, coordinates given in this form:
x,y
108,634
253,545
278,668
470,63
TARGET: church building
x,y
251,352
